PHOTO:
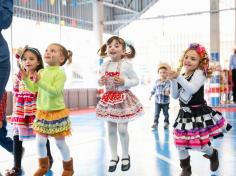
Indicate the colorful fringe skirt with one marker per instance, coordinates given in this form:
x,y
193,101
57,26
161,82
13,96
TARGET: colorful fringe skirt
x,y
52,123
194,128
24,115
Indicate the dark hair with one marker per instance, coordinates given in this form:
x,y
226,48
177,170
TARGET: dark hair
x,y
103,50
66,53
37,54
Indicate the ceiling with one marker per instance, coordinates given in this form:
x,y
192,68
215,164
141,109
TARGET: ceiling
x,y
79,13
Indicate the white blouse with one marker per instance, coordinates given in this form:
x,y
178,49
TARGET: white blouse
x,y
126,72
188,88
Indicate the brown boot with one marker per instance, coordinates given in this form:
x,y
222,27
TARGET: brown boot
x,y
186,168
214,160
43,167
68,168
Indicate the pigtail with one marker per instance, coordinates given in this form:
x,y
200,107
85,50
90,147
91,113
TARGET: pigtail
x,y
69,59
131,53
102,51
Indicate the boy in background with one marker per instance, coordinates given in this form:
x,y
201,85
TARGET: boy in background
x,y
161,90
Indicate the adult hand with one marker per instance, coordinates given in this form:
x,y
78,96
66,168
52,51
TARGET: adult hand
x,y
0,124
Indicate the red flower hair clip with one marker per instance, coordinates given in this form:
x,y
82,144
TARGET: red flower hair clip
x,y
199,48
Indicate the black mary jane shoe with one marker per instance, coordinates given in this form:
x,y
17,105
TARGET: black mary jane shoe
x,y
125,167
113,168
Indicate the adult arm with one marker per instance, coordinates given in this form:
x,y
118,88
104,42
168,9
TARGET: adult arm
x,y
6,12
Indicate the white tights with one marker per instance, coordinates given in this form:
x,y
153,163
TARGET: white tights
x,y
124,139
183,154
61,144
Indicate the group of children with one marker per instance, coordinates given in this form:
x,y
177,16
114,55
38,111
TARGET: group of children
x,y
40,109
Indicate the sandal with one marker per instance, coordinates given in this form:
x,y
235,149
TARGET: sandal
x,y
113,168
125,167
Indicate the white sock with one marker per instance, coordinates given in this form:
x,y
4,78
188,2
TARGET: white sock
x,y
112,137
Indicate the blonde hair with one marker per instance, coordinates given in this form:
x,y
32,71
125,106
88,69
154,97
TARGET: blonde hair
x,y
204,58
66,53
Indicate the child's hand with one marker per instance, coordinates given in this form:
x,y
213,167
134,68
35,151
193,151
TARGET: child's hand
x,y
167,92
0,124
102,80
23,73
19,52
172,74
35,77
119,81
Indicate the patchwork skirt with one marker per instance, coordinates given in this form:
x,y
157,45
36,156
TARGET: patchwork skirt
x,y
195,128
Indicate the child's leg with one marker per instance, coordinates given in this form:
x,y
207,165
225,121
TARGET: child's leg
x,y
183,154
49,153
17,148
124,139
112,137
5,142
18,152
41,146
67,160
165,112
42,152
212,155
185,162
64,149
157,112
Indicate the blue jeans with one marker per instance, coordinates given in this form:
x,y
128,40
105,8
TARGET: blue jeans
x,y
5,142
165,108
5,69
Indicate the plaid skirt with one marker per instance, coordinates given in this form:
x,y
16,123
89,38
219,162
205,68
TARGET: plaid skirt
x,y
194,128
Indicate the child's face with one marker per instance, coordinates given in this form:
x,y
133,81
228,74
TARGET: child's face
x,y
162,73
53,55
191,61
115,50
29,61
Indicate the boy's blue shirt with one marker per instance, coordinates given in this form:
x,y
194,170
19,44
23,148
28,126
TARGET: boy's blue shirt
x,y
159,89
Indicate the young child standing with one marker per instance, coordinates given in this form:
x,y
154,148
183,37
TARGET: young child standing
x,y
24,107
52,117
196,124
161,90
118,105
